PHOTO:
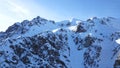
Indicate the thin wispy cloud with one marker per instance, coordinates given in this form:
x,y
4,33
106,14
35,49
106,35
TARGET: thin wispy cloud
x,y
12,12
18,9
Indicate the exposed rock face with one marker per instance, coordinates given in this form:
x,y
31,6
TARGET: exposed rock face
x,y
42,43
39,51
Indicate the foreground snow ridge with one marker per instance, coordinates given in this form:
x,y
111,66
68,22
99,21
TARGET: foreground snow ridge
x,y
42,43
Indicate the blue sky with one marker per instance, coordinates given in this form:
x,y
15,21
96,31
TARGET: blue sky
x,y
12,11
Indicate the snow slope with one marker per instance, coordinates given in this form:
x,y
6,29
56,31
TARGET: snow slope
x,y
42,43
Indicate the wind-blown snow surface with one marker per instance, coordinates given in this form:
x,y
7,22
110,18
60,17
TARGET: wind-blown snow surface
x,y
42,43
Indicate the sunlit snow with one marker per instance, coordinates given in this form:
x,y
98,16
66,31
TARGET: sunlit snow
x,y
118,41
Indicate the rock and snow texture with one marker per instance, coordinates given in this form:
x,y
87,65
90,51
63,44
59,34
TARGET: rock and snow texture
x,y
42,43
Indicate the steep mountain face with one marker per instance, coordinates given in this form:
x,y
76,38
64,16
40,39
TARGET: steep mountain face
x,y
42,43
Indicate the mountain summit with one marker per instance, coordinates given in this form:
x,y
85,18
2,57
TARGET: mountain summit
x,y
42,43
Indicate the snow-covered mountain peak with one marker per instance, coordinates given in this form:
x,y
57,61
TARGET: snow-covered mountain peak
x,y
43,43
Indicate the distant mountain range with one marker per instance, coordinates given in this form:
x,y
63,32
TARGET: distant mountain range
x,y
42,43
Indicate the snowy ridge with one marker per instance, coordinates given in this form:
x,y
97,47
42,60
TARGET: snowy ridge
x,y
42,43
